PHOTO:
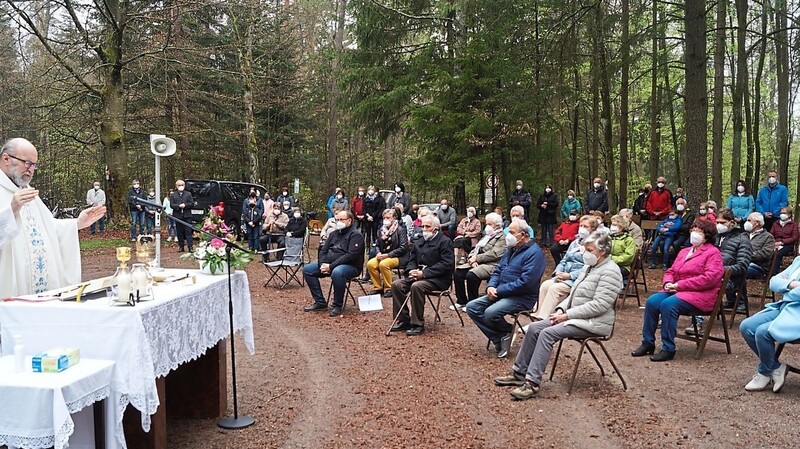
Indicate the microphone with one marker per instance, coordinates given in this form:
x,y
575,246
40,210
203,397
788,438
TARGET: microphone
x,y
138,200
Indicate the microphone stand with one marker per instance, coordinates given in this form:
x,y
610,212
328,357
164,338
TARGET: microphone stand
x,y
236,421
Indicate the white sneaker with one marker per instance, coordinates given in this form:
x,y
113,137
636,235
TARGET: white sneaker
x,y
778,378
759,382
459,307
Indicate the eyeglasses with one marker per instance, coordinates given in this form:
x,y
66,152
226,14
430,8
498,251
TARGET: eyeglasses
x,y
27,164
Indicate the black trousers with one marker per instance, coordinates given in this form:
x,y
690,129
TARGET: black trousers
x,y
184,234
466,285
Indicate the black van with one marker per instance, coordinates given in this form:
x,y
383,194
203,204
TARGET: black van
x,y
230,195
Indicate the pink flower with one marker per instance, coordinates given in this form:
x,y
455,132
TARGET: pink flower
x,y
217,243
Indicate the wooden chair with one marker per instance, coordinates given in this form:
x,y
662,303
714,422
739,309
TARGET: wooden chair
x,y
584,341
765,291
741,295
778,352
652,226
632,282
701,340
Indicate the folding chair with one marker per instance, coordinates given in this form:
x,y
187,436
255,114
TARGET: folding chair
x,y
648,228
765,291
778,352
289,268
439,294
632,283
347,292
701,341
741,295
518,325
584,341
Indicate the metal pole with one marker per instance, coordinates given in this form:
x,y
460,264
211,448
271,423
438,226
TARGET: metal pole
x,y
158,215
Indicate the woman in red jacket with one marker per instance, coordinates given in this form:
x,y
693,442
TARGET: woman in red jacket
x,y
565,234
786,235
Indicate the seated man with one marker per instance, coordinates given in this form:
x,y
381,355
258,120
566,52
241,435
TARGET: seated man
x,y
481,261
273,230
430,268
341,258
587,312
687,220
514,287
762,245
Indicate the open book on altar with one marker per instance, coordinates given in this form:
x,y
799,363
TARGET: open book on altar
x,y
84,290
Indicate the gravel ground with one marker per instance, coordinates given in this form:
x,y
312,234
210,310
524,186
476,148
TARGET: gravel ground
x,y
339,382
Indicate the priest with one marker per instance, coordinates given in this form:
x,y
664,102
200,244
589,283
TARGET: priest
x,y
39,253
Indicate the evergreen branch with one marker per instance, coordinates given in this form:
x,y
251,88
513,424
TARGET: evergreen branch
x,y
409,16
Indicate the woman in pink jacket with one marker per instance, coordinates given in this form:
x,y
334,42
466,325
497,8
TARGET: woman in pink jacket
x,y
691,285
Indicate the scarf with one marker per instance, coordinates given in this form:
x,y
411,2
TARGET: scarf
x,y
387,233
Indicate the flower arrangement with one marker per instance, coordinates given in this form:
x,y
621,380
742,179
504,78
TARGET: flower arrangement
x,y
211,251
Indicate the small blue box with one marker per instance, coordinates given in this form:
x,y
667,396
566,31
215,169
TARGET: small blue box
x,y
49,363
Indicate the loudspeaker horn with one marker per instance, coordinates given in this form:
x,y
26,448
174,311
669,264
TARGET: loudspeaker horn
x,y
161,145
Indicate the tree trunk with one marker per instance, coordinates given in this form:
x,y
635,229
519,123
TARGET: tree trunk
x,y
623,121
782,75
739,89
696,102
655,106
246,67
753,180
575,117
333,98
719,85
605,99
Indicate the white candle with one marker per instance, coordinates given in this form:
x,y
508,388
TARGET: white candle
x,y
124,286
140,282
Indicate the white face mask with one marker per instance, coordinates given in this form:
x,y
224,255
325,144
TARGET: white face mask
x,y
397,189
740,189
488,229
180,189
583,233
444,206
387,223
614,229
276,211
573,218
511,240
589,259
696,238
597,185
370,192
136,186
680,207
151,193
427,235
340,225
296,215
702,211
338,197
772,180
548,190
784,217
519,187
285,193
470,215
571,197
721,228
97,187
748,227
660,185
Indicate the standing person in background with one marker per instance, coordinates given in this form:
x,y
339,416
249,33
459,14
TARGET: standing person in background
x,y
267,203
596,198
520,197
771,198
570,204
677,195
357,208
252,216
741,202
284,196
97,197
168,212
639,202
400,197
182,203
329,204
374,205
340,201
150,211
659,202
137,210
548,207
447,218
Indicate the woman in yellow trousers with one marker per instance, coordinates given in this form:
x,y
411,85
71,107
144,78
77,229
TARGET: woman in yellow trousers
x,y
392,247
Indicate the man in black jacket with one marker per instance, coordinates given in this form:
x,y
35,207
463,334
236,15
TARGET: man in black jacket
x,y
520,197
341,258
430,268
597,198
181,202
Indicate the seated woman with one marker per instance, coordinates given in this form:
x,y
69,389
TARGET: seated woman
x,y
565,235
777,323
555,289
587,312
665,233
786,236
691,286
468,233
392,251
623,248
480,263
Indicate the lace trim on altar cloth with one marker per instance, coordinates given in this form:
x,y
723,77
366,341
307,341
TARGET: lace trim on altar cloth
x,y
57,441
81,403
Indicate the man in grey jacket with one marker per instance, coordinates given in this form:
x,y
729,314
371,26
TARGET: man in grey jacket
x,y
447,217
587,311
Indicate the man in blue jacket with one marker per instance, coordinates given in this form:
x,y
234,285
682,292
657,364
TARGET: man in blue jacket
x,y
514,287
771,198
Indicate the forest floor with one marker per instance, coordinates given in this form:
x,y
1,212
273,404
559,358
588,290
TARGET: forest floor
x,y
317,381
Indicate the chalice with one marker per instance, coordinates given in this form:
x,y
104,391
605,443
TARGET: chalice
x,y
123,255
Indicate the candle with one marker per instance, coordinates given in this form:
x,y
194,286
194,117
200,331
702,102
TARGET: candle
x,y
124,286
139,278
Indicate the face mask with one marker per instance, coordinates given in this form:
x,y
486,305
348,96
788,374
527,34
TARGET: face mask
x,y
702,211
672,217
180,189
570,197
583,233
784,217
548,190
573,218
427,235
151,193
740,189
387,223
519,187
721,228
470,215
296,215
488,229
444,206
597,185
370,192
660,185
614,229
748,227
360,193
680,207
696,238
397,189
136,186
772,180
511,240
589,259
340,225
97,187
285,193
338,197
276,211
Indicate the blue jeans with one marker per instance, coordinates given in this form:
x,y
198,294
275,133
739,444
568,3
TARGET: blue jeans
x,y
150,223
489,315
339,277
669,307
664,242
253,235
137,216
101,223
755,331
754,271
170,227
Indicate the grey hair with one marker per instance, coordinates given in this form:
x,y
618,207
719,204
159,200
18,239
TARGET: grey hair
x,y
522,225
758,216
518,209
472,209
423,211
494,218
627,213
433,219
601,241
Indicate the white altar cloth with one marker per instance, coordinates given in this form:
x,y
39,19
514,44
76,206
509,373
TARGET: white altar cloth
x,y
146,341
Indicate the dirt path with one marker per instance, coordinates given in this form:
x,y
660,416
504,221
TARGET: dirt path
x,y
317,381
